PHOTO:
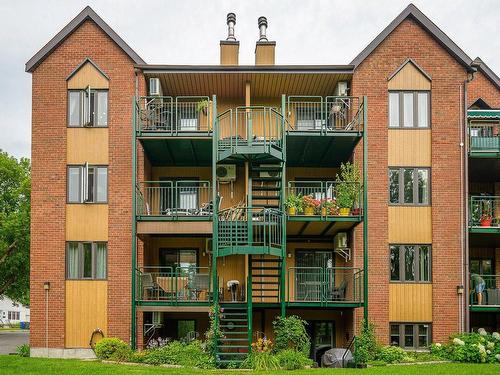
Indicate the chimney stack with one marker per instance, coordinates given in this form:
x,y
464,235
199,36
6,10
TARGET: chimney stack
x,y
229,48
264,49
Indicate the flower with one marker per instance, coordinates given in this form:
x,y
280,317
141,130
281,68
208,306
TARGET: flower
x,y
490,345
497,357
438,344
457,341
481,348
488,351
496,335
482,332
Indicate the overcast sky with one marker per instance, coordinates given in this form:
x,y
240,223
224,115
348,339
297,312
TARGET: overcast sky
x,y
188,32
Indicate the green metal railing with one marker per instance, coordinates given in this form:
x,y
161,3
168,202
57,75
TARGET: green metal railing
x,y
175,199
173,285
327,197
243,127
174,116
484,137
484,211
484,290
325,285
248,226
325,114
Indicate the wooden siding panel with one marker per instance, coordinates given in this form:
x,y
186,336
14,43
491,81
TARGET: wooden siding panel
x,y
86,76
87,145
86,310
409,78
410,302
86,222
410,224
409,148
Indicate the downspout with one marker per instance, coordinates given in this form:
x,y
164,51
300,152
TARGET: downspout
x,y
133,326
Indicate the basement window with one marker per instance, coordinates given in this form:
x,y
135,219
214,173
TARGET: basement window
x,y
88,108
86,260
410,336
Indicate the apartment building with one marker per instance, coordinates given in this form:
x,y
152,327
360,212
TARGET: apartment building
x,y
334,193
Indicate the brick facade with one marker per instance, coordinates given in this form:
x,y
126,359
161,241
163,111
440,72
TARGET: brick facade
x,y
409,40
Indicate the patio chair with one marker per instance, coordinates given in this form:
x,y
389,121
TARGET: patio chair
x,y
199,282
149,287
338,293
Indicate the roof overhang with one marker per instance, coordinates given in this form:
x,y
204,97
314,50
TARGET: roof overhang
x,y
483,114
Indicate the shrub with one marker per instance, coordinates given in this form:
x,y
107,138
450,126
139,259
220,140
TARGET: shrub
x,y
112,348
23,350
262,361
366,344
214,333
391,354
178,353
290,333
262,345
290,359
470,347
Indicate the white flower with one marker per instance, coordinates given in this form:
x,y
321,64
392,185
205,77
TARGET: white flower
x,y
482,332
496,335
438,344
457,341
481,348
497,357
488,351
490,345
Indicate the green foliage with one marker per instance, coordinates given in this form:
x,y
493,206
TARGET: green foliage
x,y
290,333
294,201
23,350
177,353
113,349
391,354
15,192
290,359
214,333
478,347
348,185
261,361
366,344
202,106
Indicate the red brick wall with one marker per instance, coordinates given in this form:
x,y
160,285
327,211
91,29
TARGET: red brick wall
x,y
49,180
409,40
482,87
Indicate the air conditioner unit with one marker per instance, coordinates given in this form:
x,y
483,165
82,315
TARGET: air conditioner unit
x,y
155,87
341,89
340,240
226,172
270,173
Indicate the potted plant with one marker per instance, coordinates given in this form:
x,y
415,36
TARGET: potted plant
x,y
328,206
202,107
348,190
293,204
485,220
310,205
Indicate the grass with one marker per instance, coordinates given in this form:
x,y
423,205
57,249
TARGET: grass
x,y
31,366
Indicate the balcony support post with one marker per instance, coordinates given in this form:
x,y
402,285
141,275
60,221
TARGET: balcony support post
x,y
283,215
133,328
365,208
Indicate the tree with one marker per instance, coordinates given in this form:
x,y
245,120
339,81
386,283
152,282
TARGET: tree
x,y
15,191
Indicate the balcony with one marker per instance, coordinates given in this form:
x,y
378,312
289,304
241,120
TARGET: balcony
x,y
484,214
250,133
248,230
484,133
484,292
319,286
178,200
322,130
180,286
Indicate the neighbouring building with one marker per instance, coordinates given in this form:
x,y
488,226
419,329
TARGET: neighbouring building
x,y
12,312
162,190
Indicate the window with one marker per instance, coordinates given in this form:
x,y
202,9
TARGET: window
x,y
183,258
88,108
410,336
87,184
14,315
409,109
86,260
409,186
410,263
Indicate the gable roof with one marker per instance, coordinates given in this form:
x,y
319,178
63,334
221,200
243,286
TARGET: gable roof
x,y
410,61
85,61
485,69
413,12
86,14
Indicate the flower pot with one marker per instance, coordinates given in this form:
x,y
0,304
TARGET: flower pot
x,y
309,211
323,211
292,211
485,222
344,211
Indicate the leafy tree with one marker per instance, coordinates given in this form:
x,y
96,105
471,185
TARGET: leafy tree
x,y
15,189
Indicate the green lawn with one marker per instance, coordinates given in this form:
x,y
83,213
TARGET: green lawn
x,y
17,365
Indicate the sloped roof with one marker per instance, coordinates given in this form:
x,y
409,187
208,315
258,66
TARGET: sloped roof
x,y
86,14
485,69
413,12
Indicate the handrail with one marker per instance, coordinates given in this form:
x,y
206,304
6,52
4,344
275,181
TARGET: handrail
x,y
484,136
484,289
349,345
484,211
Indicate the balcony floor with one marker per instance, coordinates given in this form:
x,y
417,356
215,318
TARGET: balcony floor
x,y
179,151
303,226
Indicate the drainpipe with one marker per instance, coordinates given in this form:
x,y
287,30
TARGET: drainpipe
x,y
465,207
46,288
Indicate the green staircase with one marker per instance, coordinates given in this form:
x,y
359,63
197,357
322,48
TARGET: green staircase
x,y
266,189
266,276
233,347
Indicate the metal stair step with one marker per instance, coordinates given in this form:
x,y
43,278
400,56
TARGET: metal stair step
x,y
266,179
232,346
264,282
266,197
231,353
266,188
266,268
234,326
233,339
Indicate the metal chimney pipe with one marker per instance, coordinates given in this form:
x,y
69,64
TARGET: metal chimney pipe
x,y
231,21
262,29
